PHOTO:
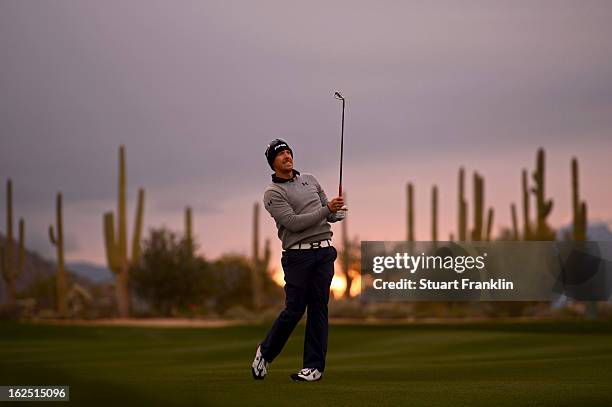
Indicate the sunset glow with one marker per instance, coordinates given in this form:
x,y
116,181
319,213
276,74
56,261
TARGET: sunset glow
x,y
338,284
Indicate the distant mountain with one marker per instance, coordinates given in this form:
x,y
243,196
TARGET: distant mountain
x,y
596,231
37,267
599,231
95,273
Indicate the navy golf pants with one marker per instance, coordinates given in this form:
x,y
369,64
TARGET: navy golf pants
x,y
308,276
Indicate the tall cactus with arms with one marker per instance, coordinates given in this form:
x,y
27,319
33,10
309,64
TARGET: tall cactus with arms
x,y
57,239
579,207
478,207
116,244
10,270
579,229
543,205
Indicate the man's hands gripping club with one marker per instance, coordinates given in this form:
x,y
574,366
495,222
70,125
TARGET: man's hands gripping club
x,y
336,206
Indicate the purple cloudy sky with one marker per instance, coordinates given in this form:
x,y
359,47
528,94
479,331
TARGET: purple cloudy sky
x,y
196,89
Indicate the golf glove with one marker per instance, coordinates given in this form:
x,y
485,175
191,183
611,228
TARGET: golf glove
x,y
341,214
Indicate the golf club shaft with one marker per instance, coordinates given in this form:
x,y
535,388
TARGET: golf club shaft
x,y
341,150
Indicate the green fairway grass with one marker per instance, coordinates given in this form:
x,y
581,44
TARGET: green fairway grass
x,y
487,364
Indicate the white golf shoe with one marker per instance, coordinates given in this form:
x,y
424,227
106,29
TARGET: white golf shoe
x,y
307,375
259,367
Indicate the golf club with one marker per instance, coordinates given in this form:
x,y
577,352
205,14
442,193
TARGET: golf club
x,y
342,212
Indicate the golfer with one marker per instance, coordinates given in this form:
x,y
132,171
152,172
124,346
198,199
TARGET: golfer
x,y
301,210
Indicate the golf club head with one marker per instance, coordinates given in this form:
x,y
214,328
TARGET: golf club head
x,y
338,96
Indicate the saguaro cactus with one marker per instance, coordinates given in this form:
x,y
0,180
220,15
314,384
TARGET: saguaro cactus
x,y
481,231
116,244
10,270
489,224
260,262
189,229
579,207
515,233
434,214
410,212
478,207
527,235
463,208
543,205
57,239
580,226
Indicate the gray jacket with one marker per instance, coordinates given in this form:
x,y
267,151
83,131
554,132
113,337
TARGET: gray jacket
x,y
299,207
